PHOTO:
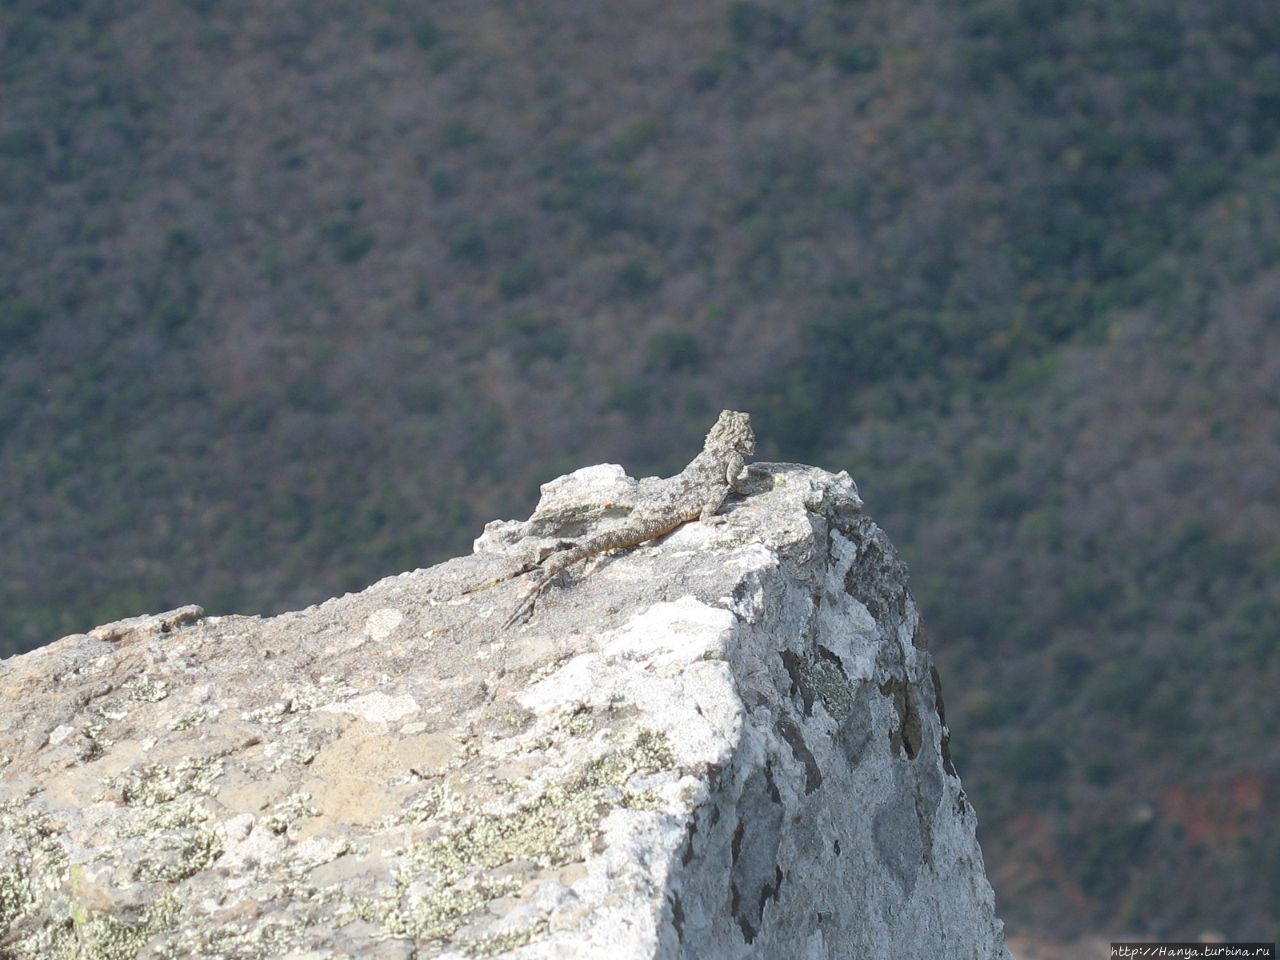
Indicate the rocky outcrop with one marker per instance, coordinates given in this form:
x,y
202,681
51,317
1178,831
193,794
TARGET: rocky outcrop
x,y
729,743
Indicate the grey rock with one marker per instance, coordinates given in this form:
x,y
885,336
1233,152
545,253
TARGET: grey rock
x,y
724,743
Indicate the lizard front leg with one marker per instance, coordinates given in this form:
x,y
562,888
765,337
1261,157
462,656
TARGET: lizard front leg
x,y
735,472
734,467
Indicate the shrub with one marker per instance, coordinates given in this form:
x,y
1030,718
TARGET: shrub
x,y
634,279
457,134
348,240
723,62
444,183
672,350
384,34
18,320
858,58
751,23
468,243
1110,853
1035,759
425,32
634,139
630,397
520,278
533,337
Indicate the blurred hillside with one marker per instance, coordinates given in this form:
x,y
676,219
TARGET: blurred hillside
x,y
297,295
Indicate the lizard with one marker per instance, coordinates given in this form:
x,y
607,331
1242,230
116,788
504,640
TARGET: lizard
x,y
696,493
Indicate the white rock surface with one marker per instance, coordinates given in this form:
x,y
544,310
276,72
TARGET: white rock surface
x,y
726,744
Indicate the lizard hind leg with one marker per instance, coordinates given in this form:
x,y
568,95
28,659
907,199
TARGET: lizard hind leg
x,y
563,555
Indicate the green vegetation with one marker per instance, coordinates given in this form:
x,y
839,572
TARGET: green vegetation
x,y
520,278
1036,759
1111,854
1013,263
673,350
349,242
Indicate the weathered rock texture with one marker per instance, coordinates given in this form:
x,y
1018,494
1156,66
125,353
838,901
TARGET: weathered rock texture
x,y
728,743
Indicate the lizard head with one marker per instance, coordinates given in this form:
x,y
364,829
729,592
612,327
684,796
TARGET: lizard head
x,y
733,431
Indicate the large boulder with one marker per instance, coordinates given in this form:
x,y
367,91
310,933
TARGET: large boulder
x,y
726,743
